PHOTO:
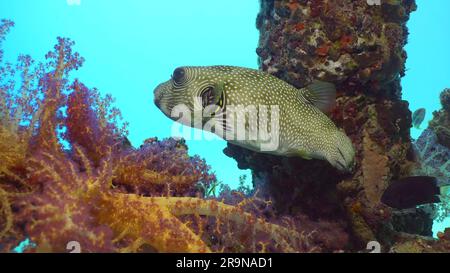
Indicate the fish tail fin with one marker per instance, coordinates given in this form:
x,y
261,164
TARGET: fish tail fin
x,y
322,95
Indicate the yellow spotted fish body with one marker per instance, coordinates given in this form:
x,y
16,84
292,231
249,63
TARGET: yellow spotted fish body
x,y
303,128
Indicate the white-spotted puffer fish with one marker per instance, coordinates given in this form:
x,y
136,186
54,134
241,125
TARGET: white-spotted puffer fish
x,y
303,128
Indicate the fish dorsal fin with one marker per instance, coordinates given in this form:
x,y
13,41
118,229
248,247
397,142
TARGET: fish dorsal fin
x,y
321,94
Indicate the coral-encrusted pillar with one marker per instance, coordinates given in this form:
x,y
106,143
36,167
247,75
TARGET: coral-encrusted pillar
x,y
359,47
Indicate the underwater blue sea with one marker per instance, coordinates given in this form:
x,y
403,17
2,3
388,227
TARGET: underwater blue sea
x,y
132,46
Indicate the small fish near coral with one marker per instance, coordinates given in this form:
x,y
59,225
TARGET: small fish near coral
x,y
417,117
411,192
302,127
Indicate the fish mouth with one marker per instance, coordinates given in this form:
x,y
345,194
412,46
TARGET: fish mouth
x,y
162,106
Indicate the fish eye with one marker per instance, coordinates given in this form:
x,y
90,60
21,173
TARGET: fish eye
x,y
178,75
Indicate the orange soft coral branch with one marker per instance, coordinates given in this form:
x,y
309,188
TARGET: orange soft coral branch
x,y
162,178
59,211
129,216
179,206
160,164
12,150
47,137
53,84
84,125
147,222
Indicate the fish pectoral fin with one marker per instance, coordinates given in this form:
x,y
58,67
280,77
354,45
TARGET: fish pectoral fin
x,y
219,94
322,95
